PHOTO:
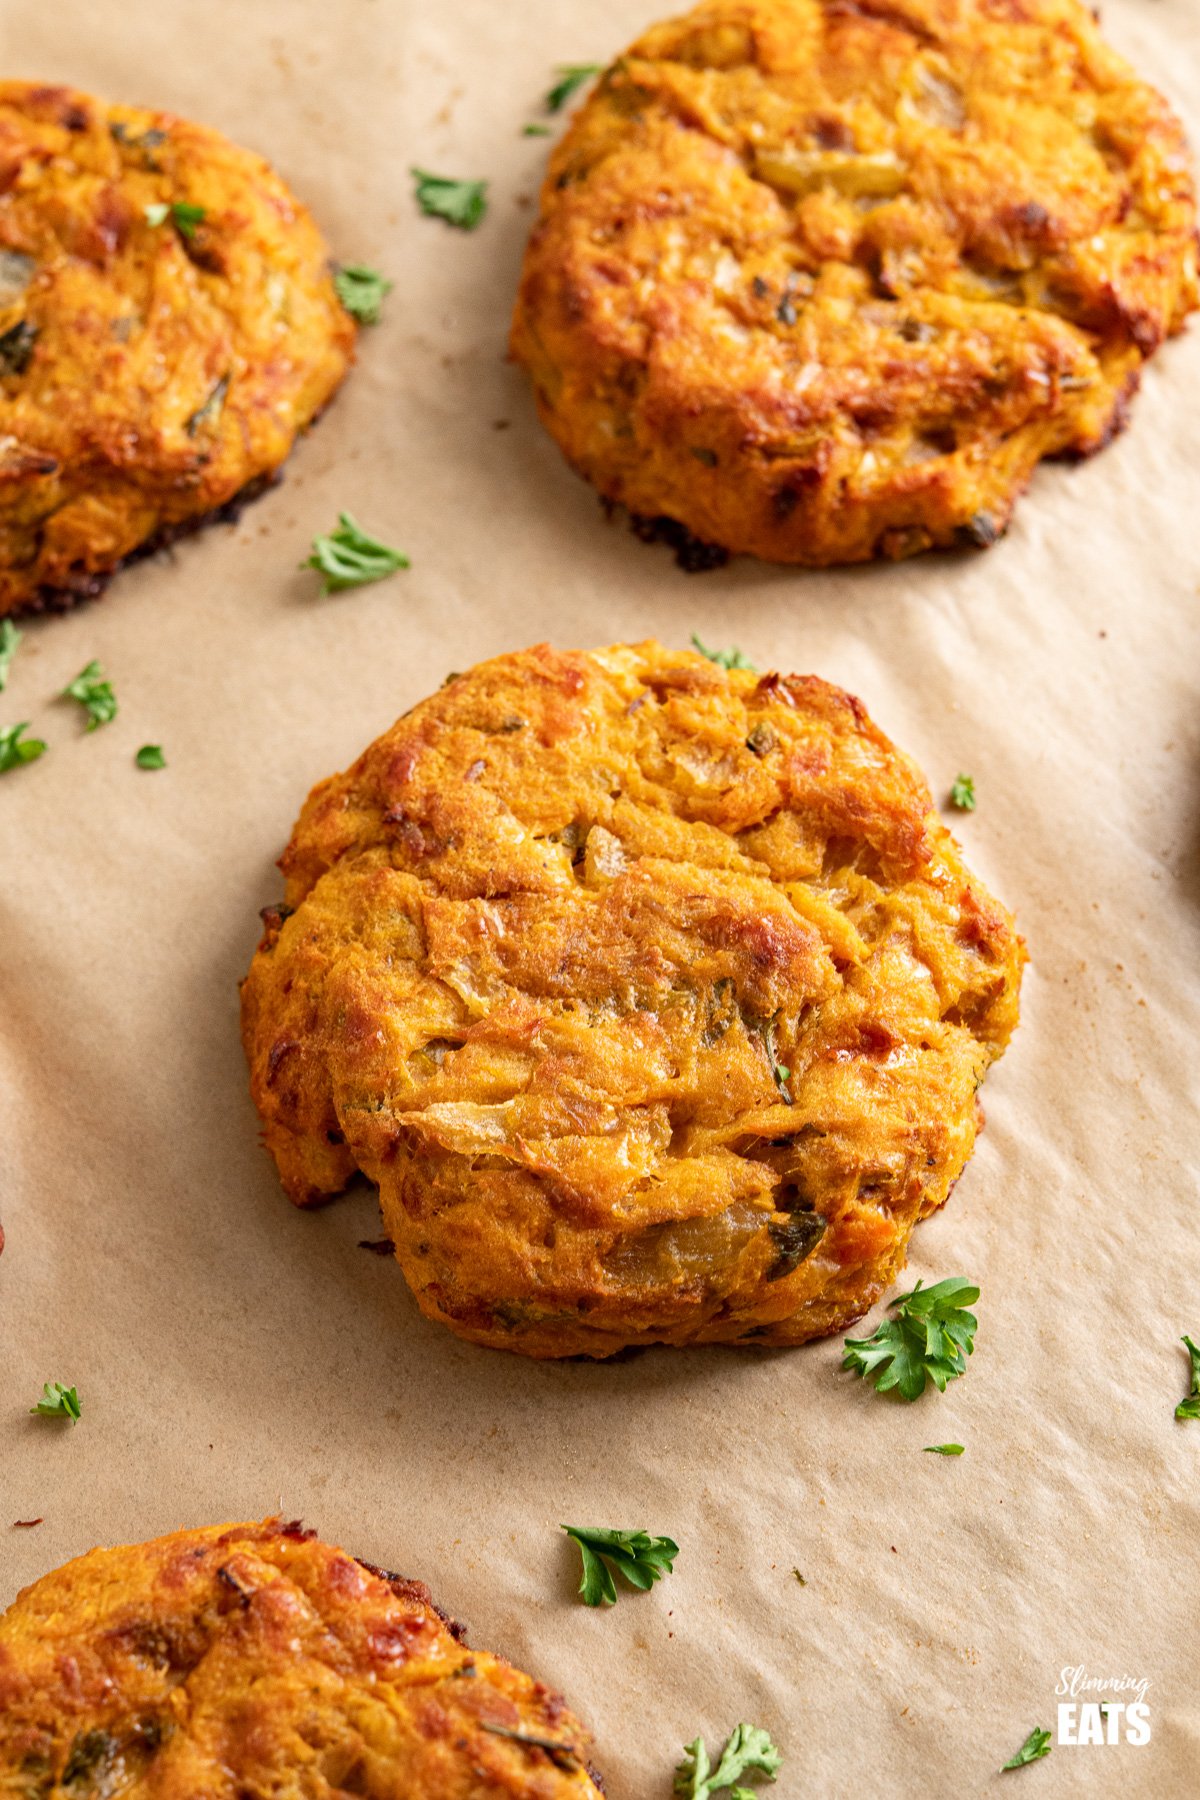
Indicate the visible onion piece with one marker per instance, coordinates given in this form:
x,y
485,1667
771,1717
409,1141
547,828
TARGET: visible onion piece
x,y
876,175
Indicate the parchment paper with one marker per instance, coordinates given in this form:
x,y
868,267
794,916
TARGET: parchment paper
x,y
235,1356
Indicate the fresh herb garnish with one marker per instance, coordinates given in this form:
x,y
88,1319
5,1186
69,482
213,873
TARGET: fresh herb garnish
x,y
571,77
1190,1408
95,694
348,558
928,1340
58,1402
640,1558
535,131
747,1748
182,213
14,751
962,794
461,203
10,638
361,291
150,756
724,659
1036,1745
16,347
943,1449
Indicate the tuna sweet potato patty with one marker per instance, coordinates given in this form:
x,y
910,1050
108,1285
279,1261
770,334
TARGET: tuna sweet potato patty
x,y
654,997
168,325
823,280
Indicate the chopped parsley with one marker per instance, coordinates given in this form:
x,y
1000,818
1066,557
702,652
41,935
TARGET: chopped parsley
x,y
640,1558
928,1340
58,1402
461,203
182,213
150,756
747,1748
724,659
210,409
1190,1408
943,1449
1036,1745
10,638
571,77
799,1577
535,131
361,291
962,794
16,347
15,750
563,1756
348,558
95,694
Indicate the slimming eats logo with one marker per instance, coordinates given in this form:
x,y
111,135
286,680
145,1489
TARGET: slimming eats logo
x,y
1102,1709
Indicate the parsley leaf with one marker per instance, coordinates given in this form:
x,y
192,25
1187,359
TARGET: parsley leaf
x,y
962,794
10,637
1036,1745
182,213
535,131
93,692
150,756
929,1339
348,558
943,1449
14,752
747,1747
640,1558
724,659
1190,1408
571,77
461,203
58,1402
780,1073
361,291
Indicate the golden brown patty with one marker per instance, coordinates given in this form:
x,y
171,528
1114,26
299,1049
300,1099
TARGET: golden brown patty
x,y
252,1660
149,373
823,280
655,999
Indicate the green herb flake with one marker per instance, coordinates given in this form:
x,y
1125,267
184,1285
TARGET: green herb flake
x,y
928,1340
1036,1745
209,410
724,659
748,1748
460,203
182,213
15,750
535,131
571,77
10,639
361,291
564,1756
780,1073
640,1558
348,558
1190,1408
962,793
150,756
95,694
58,1402
943,1449
799,1577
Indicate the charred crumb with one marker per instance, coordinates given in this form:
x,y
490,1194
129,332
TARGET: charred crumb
x,y
90,584
415,1593
980,532
27,1524
378,1246
692,555
232,1581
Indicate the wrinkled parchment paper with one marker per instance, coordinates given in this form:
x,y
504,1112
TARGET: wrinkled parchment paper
x,y
235,1356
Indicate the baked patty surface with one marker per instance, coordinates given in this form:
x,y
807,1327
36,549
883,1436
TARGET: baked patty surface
x,y
823,280
654,998
255,1659
153,365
